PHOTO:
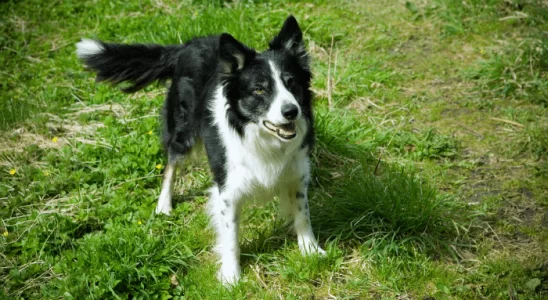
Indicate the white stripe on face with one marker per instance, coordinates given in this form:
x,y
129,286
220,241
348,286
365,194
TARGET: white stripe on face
x,y
282,96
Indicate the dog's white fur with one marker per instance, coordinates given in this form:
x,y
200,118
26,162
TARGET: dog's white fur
x,y
259,166
87,47
164,201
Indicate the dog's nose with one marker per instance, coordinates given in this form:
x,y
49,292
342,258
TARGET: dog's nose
x,y
290,111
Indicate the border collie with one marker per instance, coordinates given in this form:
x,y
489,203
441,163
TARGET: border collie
x,y
251,110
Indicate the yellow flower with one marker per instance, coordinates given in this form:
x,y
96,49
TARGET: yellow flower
x,y
139,222
159,166
482,51
54,139
5,233
13,171
149,132
46,173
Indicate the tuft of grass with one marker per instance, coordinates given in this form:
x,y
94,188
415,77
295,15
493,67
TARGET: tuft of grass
x,y
124,261
392,212
311,269
343,133
517,72
535,144
394,205
384,206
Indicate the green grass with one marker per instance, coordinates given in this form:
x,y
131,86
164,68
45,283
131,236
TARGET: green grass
x,y
430,175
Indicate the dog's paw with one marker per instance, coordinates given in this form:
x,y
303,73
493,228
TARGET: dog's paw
x,y
229,275
312,249
321,252
166,210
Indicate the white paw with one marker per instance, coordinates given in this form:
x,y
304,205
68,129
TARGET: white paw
x,y
321,252
312,249
229,275
163,209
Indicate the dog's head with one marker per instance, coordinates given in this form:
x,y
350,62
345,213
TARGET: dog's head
x,y
269,89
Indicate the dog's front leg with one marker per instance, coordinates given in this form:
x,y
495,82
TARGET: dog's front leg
x,y
224,209
294,203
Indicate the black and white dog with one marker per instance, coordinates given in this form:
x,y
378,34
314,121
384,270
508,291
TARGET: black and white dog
x,y
251,110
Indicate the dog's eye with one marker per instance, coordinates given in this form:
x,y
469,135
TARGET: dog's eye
x,y
290,82
258,91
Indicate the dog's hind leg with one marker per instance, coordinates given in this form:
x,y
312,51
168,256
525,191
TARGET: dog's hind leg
x,y
164,201
178,138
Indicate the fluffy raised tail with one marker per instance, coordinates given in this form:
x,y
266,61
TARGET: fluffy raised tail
x,y
137,64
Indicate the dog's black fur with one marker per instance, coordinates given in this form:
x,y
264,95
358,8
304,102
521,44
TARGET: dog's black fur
x,y
252,110
195,69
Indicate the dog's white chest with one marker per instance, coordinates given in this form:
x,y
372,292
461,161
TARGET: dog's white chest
x,y
257,168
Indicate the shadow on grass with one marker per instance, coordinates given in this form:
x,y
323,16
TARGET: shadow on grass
x,y
271,239
385,208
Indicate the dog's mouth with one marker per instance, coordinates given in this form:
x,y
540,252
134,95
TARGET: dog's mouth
x,y
285,131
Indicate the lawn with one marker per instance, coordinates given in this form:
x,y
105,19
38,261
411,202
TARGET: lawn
x,y
430,177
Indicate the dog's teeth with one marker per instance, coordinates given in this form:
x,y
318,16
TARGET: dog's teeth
x,y
286,132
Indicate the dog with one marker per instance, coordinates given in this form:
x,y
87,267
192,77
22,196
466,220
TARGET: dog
x,y
251,110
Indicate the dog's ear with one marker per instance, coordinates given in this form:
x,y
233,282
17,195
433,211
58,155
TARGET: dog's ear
x,y
233,54
290,38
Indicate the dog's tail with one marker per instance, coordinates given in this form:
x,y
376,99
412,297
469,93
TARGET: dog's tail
x,y
137,64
